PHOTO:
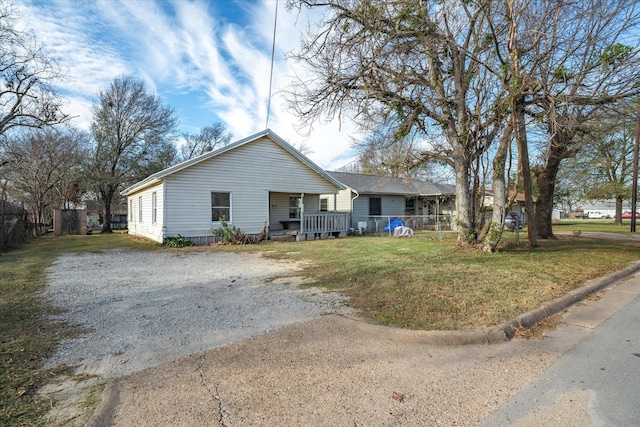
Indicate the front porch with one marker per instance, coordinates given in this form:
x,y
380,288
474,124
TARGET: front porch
x,y
304,217
321,225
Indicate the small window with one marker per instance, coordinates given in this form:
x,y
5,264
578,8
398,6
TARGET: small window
x,y
140,209
220,207
410,206
375,206
154,207
295,207
324,204
131,218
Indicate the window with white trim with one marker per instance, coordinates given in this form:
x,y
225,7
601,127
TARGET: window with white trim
x,y
220,206
324,203
154,207
295,207
140,209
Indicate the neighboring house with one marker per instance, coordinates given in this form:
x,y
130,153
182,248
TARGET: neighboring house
x,y
373,201
95,215
257,184
516,206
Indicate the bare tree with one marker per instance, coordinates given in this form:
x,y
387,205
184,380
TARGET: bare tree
x,y
26,74
566,64
414,64
603,168
128,124
384,155
41,165
207,139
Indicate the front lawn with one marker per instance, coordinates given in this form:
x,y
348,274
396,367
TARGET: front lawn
x,y
424,283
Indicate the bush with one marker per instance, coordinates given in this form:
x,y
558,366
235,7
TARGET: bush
x,y
177,242
233,235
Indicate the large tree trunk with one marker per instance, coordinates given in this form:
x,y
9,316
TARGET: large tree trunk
x,y
464,219
546,177
618,216
107,197
523,151
494,229
518,119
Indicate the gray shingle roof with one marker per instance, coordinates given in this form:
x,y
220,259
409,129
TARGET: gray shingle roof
x,y
371,184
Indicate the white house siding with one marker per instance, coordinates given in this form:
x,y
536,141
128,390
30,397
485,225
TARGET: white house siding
x,y
279,207
341,203
147,228
249,172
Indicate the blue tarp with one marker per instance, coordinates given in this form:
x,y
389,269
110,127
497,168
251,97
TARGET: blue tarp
x,y
391,225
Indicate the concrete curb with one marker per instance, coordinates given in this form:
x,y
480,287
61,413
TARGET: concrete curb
x,y
106,410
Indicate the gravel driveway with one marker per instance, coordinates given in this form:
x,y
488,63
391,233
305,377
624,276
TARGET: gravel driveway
x,y
143,309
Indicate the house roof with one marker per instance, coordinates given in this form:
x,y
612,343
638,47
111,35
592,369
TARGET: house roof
x,y
158,176
371,184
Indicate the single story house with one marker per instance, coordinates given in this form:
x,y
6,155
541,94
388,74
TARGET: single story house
x,y
373,201
257,184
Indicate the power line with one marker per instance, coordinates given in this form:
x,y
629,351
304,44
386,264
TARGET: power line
x,y
273,52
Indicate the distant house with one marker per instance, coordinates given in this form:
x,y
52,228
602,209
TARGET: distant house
x,y
95,214
373,201
257,184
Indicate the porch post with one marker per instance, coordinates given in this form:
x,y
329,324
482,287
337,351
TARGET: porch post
x,y
302,213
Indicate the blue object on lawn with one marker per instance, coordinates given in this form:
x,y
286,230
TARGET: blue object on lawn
x,y
391,225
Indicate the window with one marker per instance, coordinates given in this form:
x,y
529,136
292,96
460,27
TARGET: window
x,y
375,206
410,206
140,209
154,207
131,218
295,205
323,204
220,206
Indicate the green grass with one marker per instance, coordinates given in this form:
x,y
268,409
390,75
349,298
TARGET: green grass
x,y
27,336
427,284
421,283
601,225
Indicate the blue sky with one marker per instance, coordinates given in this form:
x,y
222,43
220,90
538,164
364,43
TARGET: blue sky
x,y
209,60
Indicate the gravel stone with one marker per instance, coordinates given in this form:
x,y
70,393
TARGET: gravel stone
x,y
142,309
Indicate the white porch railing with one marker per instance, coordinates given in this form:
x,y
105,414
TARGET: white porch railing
x,y
324,222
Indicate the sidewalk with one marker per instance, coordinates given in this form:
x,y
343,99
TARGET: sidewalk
x,y
343,372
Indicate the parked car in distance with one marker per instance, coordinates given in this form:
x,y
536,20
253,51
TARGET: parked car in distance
x,y
596,214
627,215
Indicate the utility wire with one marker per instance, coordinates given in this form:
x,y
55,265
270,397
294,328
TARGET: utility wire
x,y
273,52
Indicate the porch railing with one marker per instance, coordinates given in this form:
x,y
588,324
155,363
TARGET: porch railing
x,y
324,222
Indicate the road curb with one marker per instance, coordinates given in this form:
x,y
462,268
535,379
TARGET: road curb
x,y
105,412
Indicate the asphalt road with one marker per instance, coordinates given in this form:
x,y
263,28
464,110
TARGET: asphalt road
x,y
596,383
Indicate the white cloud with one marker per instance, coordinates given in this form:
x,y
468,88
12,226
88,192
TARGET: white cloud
x,y
185,50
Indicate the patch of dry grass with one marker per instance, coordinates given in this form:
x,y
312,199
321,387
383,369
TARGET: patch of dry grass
x,y
28,336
